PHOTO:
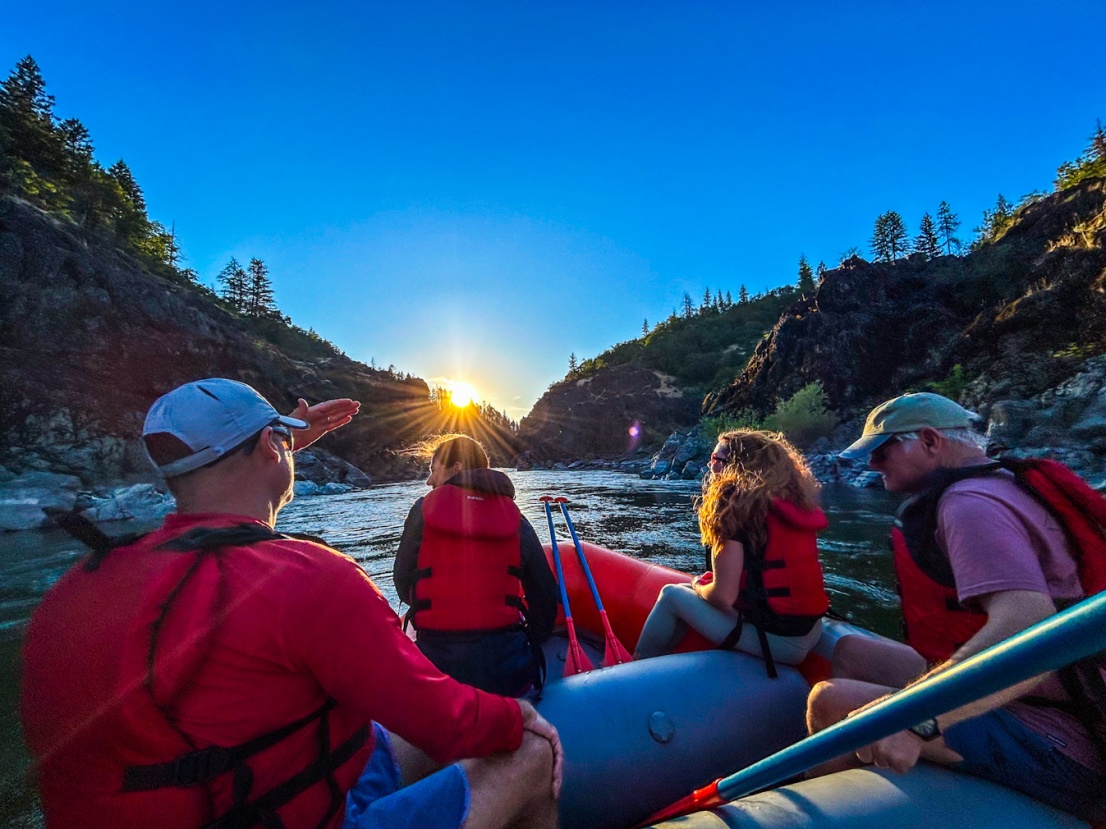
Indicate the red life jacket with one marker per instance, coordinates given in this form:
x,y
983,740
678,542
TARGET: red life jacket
x,y
783,584
469,565
199,767
935,623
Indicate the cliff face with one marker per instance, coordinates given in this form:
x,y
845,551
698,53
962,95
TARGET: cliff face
x,y
88,339
598,416
1018,316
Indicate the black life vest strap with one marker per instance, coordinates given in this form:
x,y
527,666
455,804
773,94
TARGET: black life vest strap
x,y
205,765
93,537
265,807
757,595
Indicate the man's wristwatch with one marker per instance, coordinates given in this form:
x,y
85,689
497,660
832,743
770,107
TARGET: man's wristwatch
x,y
926,729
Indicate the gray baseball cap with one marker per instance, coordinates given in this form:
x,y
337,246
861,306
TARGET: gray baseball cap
x,y
908,413
211,417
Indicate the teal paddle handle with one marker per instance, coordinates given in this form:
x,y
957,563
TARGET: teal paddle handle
x,y
1067,637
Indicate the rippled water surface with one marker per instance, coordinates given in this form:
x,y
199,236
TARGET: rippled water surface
x,y
650,520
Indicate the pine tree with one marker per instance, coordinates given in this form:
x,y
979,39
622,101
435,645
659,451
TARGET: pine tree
x,y
718,302
125,179
32,150
947,222
78,141
806,276
707,304
729,300
1091,164
889,240
926,243
235,284
820,272
742,295
129,205
645,327
1097,150
900,241
24,92
689,306
572,366
994,221
173,247
259,291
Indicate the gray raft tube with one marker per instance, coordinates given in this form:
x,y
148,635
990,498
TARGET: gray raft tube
x,y
640,736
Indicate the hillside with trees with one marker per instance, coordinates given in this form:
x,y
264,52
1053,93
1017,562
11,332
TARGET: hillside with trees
x,y
100,317
1007,323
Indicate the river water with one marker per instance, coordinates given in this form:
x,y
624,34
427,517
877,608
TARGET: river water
x,y
651,520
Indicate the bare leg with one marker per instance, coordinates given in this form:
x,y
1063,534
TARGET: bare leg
x,y
513,789
507,790
677,608
878,661
829,703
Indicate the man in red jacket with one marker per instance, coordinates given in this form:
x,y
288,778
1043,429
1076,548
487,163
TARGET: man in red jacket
x,y
217,673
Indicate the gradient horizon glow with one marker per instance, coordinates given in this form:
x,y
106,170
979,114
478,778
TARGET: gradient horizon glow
x,y
471,192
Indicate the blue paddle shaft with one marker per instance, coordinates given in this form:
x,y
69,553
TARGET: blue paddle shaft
x,y
583,559
557,561
1074,634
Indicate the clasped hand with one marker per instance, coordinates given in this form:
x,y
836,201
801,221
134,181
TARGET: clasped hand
x,y
899,751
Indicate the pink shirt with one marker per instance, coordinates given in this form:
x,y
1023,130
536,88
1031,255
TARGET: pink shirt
x,y
302,623
998,537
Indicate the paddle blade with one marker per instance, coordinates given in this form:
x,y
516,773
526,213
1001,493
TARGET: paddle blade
x,y
704,798
576,661
614,653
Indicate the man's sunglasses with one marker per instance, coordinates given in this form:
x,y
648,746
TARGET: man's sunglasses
x,y
718,458
251,442
886,446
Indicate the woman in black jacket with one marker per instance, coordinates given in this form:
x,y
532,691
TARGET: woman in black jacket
x,y
472,569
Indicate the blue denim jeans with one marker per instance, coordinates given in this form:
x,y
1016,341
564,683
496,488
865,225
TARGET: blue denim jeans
x,y
440,801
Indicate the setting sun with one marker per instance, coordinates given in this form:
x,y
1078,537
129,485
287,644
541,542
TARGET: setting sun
x,y
462,394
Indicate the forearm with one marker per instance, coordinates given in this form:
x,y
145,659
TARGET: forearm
x,y
1008,613
711,594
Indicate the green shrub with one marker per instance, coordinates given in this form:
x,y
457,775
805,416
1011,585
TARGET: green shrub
x,y
803,418
952,386
728,422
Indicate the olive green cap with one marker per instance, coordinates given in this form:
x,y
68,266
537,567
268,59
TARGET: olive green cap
x,y
908,413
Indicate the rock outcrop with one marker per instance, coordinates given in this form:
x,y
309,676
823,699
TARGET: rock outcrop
x,y
89,338
1007,322
611,413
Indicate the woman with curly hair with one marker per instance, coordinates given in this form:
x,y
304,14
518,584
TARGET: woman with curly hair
x,y
759,517
473,571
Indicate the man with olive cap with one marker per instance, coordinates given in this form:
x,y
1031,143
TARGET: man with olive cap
x,y
978,559
217,673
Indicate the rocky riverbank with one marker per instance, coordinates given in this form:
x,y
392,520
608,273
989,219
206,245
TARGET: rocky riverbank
x,y
28,500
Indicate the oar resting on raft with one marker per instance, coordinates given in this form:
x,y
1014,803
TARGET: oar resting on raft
x,y
613,653
1067,637
575,660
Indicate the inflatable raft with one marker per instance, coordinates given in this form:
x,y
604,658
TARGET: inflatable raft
x,y
640,736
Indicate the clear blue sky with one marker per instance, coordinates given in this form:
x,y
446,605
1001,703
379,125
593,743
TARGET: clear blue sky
x,y
473,191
